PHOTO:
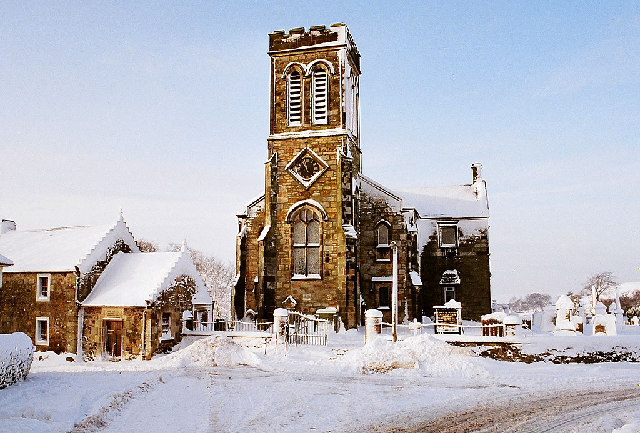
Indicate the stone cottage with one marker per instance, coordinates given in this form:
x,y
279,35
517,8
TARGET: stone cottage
x,y
136,306
322,235
53,272
56,270
3,263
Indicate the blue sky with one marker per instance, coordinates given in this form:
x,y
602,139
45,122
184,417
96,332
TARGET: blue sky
x,y
161,109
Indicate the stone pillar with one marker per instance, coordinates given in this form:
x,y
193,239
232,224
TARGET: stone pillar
x,y
372,325
280,323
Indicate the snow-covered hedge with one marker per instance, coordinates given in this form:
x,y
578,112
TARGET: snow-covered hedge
x,y
16,355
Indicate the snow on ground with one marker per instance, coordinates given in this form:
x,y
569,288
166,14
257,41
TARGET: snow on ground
x,y
214,384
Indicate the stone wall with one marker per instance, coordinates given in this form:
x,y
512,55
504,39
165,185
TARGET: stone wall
x,y
372,211
19,308
330,290
94,330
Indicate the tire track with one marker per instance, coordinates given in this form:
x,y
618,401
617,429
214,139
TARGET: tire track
x,y
560,412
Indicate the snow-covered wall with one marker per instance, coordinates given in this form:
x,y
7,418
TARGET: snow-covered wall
x,y
16,355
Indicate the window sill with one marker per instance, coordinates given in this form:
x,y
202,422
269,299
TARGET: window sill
x,y
42,343
384,260
384,308
43,299
306,277
166,338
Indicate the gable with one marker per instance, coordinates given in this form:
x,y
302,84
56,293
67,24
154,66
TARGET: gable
x,y
62,249
132,280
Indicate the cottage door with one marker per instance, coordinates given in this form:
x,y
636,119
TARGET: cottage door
x,y
113,331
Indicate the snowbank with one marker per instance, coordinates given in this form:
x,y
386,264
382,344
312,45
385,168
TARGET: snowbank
x,y
422,352
16,355
210,351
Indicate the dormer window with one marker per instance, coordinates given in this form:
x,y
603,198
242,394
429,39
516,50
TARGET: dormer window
x,y
383,249
320,102
447,235
294,98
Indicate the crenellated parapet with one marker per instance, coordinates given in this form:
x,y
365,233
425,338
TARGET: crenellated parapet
x,y
336,35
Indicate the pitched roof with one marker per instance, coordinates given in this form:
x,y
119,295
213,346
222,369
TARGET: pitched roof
x,y
456,201
131,280
370,187
63,248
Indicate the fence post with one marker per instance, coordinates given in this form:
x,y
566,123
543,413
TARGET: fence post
x,y
280,322
372,324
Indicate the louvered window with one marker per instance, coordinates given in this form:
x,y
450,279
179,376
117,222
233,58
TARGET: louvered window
x,y
320,96
294,98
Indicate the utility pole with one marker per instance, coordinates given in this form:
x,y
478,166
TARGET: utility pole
x,y
394,292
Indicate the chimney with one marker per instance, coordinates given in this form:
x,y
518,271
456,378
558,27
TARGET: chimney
x,y
476,171
7,226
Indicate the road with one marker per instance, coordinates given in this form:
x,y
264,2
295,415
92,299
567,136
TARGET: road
x,y
584,411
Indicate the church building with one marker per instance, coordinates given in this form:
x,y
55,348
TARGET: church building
x,y
322,235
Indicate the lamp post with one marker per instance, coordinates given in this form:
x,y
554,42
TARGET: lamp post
x,y
394,292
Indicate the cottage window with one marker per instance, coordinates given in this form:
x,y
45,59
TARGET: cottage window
x,y
306,244
384,297
449,294
294,98
42,331
448,235
320,96
166,326
44,287
383,250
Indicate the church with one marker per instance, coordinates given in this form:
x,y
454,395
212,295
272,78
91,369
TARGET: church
x,y
322,235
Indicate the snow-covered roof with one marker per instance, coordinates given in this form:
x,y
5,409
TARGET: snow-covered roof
x,y
374,189
63,248
131,280
455,201
252,208
451,303
498,315
5,261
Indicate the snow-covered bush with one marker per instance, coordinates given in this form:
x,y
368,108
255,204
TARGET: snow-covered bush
x,y
16,355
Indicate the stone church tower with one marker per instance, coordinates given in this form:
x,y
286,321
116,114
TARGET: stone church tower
x,y
320,238
306,248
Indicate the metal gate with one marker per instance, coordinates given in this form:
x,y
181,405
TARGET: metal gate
x,y
305,329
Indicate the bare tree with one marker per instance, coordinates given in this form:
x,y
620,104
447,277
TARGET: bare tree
x,y
146,246
602,282
218,277
531,302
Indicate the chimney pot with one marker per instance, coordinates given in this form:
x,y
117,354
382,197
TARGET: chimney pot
x,y
476,171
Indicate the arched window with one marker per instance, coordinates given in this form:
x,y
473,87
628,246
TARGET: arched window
x,y
320,102
294,97
383,250
306,243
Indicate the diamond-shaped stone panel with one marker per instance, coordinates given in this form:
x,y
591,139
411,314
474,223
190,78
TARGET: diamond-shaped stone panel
x,y
307,167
